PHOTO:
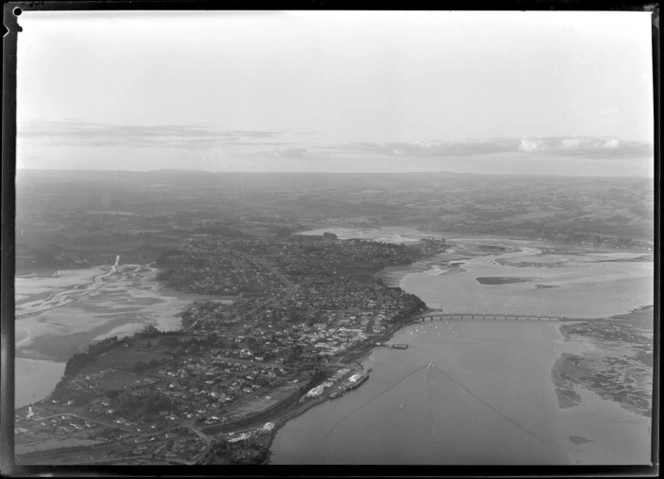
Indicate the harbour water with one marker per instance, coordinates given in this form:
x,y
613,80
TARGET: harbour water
x,y
583,288
488,398
35,379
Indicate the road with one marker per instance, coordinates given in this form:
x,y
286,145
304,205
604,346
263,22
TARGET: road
x,y
261,262
379,304
209,442
78,416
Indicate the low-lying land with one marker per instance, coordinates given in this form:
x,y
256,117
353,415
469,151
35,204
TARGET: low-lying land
x,y
498,280
618,367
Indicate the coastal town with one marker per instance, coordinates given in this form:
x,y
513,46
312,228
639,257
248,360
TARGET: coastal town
x,y
293,318
283,240
197,333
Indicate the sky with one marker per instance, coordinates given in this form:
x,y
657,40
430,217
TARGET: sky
x,y
479,92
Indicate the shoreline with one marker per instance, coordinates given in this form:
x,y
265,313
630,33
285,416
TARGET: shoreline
x,y
151,304
363,353
393,277
410,279
611,340
35,371
361,358
364,356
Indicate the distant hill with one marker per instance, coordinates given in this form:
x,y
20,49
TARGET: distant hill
x,y
483,204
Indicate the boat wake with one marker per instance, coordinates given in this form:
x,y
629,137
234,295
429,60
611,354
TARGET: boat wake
x,y
433,373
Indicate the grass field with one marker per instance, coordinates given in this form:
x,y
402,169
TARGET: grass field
x,y
116,380
121,358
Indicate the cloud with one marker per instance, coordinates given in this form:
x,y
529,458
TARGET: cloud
x,y
529,145
274,144
432,149
289,152
252,133
176,136
588,147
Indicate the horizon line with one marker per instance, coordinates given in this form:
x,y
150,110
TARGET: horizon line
x,y
333,172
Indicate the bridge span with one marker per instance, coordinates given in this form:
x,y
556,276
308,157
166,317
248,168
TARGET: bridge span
x,y
437,316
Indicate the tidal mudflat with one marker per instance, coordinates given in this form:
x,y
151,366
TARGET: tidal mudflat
x,y
397,235
618,366
126,302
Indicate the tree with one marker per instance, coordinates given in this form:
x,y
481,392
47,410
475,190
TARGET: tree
x,y
113,393
139,367
296,352
170,341
149,332
317,364
143,407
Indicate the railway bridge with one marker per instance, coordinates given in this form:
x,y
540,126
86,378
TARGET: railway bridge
x,y
444,315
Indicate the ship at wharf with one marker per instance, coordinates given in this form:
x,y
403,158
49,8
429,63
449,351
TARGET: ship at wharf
x,y
393,345
355,381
